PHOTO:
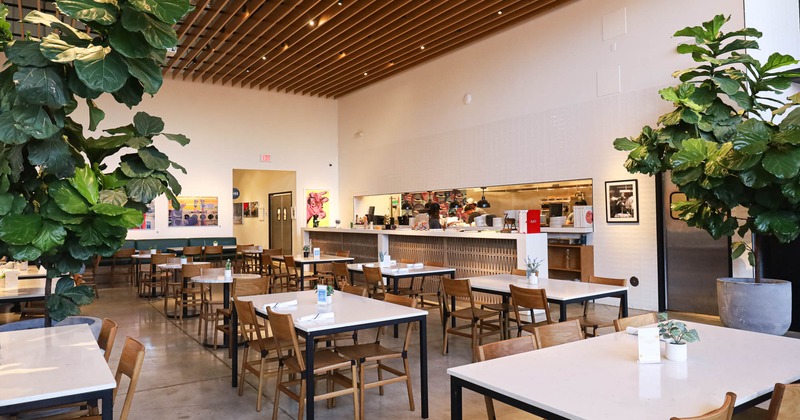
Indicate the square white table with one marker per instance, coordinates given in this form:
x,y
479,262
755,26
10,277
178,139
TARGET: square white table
x,y
599,378
43,367
28,289
300,262
395,273
352,313
561,292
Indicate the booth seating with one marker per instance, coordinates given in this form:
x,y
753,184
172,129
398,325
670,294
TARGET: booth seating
x,y
162,245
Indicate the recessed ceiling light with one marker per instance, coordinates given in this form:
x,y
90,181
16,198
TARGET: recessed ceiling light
x,y
422,47
247,70
264,58
339,3
499,12
311,22
285,45
365,73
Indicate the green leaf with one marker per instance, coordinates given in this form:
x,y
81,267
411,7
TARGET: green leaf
x,y
778,222
68,198
104,13
130,44
169,11
728,85
103,71
135,168
173,183
95,114
131,218
178,167
26,54
20,229
736,161
85,182
147,125
41,86
144,190
782,163
24,252
739,44
692,154
51,235
33,120
158,34
50,210
70,34
80,295
752,137
737,249
6,200
9,134
5,27
777,60
791,191
147,71
59,308
130,94
115,196
139,142
756,177
181,139
154,159
53,155
61,51
792,118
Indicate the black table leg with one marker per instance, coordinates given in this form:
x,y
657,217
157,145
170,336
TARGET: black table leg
x,y
562,312
235,344
302,277
455,399
309,377
394,288
108,405
423,365
226,303
453,306
506,319
624,303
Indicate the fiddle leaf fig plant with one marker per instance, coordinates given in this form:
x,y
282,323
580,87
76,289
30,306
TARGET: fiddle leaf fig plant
x,y
67,194
722,144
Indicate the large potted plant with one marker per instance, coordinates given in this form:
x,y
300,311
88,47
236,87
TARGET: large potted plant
x,y
64,196
738,166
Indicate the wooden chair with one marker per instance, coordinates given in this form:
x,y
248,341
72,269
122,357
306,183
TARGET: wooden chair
x,y
785,403
240,287
208,305
593,321
188,296
241,261
560,333
531,300
505,309
636,321
518,272
354,290
723,413
375,286
260,343
90,276
156,278
428,286
280,281
194,251
501,349
325,271
374,355
478,327
341,275
108,332
213,254
124,255
275,265
326,366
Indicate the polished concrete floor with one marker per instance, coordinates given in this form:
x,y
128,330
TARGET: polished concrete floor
x,y
183,379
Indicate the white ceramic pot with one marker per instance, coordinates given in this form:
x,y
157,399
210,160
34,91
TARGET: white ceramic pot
x,y
677,352
533,278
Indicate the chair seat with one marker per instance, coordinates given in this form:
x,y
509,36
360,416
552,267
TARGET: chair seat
x,y
501,307
367,352
468,314
324,361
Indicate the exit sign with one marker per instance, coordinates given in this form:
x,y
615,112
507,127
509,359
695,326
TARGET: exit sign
x,y
266,158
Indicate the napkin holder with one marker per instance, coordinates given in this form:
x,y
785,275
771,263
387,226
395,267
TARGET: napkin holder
x,y
649,345
11,279
316,253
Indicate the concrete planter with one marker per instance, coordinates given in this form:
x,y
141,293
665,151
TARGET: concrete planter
x,y
764,307
94,324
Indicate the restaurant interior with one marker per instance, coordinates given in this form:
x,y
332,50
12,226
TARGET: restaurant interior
x,y
338,152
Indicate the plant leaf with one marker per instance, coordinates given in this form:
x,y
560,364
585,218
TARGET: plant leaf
x,y
169,11
85,182
9,134
181,139
154,159
102,70
20,229
26,54
144,190
147,125
782,163
751,137
104,13
53,155
147,71
41,86
67,198
130,44
95,114
51,235
693,152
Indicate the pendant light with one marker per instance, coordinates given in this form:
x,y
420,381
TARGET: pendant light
x,y
482,203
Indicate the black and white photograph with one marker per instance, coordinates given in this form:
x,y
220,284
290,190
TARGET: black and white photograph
x,y
622,201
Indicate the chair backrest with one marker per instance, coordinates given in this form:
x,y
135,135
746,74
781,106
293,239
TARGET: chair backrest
x,y
273,251
785,404
191,270
406,261
622,324
108,332
241,247
530,299
374,279
343,253
130,365
177,260
250,287
211,271
518,272
212,250
285,336
161,258
457,288
723,413
288,261
341,274
403,301
124,253
433,263
607,281
354,290
249,327
506,347
193,251
560,333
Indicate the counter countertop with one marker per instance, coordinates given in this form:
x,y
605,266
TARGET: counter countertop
x,y
453,232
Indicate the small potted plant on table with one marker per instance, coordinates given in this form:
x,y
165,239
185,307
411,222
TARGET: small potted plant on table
x,y
677,335
532,269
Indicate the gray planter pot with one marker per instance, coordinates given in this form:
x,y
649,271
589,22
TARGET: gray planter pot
x,y
764,307
94,324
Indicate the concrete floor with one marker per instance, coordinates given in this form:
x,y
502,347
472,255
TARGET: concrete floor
x,y
183,379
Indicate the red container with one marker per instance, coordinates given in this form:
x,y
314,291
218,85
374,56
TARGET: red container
x,y
534,221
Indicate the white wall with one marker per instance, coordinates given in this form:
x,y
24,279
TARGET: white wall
x,y
230,128
535,115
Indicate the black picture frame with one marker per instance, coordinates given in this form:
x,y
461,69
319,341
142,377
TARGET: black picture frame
x,y
622,201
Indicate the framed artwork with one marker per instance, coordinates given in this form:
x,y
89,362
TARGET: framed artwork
x,y
246,209
149,219
237,213
622,201
254,209
194,211
317,208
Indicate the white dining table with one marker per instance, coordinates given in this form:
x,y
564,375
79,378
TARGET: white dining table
x,y
26,290
403,271
226,293
300,262
600,378
43,367
351,313
561,292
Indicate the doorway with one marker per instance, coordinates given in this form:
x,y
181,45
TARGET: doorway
x,y
280,221
253,208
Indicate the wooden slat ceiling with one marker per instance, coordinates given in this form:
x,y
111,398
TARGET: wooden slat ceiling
x,y
326,48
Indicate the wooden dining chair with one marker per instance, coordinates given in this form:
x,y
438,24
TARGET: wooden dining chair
x,y
240,287
560,333
327,365
477,328
188,296
785,403
280,280
241,261
90,275
122,258
354,290
375,285
593,321
723,413
213,254
341,274
374,356
194,251
156,278
501,349
518,272
325,270
635,321
532,301
108,332
208,305
262,345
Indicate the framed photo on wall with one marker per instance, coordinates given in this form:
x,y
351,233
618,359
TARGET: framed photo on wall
x,y
622,201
